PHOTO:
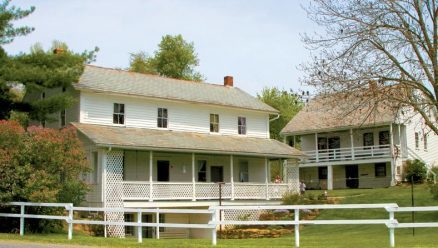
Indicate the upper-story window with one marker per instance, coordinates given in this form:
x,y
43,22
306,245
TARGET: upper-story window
x,y
214,123
384,138
241,125
425,141
162,118
417,140
119,113
368,139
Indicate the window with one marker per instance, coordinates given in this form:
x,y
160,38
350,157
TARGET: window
x,y
368,139
322,173
129,230
63,118
202,171
322,144
384,138
214,123
94,173
425,141
162,118
417,141
380,169
241,125
119,113
243,171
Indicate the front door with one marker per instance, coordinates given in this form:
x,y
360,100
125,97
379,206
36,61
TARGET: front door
x,y
352,176
334,144
217,174
147,230
162,170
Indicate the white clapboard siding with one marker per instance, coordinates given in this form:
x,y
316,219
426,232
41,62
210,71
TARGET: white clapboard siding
x,y
190,117
429,155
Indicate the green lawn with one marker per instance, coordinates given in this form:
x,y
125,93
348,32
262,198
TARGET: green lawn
x,y
311,236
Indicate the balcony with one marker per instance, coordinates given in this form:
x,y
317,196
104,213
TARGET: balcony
x,y
202,191
348,154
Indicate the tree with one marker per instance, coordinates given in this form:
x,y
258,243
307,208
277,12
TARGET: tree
x,y
58,67
36,71
288,103
40,165
175,58
382,51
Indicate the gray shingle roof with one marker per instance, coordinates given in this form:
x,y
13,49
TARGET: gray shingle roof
x,y
165,140
336,112
123,82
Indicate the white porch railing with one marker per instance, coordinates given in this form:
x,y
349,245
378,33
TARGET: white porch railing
x,y
348,153
203,191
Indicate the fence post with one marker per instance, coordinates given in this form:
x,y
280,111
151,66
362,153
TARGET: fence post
x,y
297,228
22,220
391,229
157,229
70,223
139,227
214,229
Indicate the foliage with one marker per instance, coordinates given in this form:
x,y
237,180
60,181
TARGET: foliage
x,y
287,102
175,58
378,51
415,169
434,191
40,165
36,71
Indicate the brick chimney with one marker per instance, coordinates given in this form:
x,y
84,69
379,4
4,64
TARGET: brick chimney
x,y
228,81
58,50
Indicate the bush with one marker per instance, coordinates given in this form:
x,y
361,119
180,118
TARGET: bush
x,y
416,170
292,199
40,165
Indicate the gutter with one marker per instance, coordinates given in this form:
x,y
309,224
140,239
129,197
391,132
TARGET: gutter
x,y
275,118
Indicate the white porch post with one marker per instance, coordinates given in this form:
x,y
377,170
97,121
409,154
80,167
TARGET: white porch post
x,y
352,144
391,142
267,177
193,178
232,176
151,165
399,142
316,147
330,177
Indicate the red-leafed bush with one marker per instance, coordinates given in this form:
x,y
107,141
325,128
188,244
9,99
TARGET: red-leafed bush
x,y
40,165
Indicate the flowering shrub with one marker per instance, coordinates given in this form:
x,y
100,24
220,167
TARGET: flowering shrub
x,y
40,165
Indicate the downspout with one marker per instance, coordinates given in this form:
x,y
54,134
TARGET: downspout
x,y
275,118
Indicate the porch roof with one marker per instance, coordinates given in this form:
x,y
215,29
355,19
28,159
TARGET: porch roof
x,y
166,140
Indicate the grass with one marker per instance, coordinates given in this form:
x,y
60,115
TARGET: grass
x,y
311,236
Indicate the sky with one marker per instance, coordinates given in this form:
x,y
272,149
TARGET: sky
x,y
257,42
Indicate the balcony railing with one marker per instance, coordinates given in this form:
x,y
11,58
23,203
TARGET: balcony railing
x,y
202,191
346,154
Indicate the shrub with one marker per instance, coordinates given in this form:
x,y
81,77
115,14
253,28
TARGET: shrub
x,y
416,170
40,165
292,199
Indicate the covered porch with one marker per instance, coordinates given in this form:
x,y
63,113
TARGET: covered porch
x,y
154,176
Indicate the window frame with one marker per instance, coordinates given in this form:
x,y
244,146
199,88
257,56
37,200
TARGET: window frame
x,y
377,166
214,123
425,144
119,113
243,174
370,138
417,140
241,125
202,163
381,138
163,119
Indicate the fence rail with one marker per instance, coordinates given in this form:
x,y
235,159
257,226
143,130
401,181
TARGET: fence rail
x,y
215,213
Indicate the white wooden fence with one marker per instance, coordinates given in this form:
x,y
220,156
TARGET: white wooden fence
x,y
216,211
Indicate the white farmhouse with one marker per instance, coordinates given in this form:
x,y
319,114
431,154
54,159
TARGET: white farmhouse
x,y
159,142
358,148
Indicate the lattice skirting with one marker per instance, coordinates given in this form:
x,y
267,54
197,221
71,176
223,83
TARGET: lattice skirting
x,y
114,191
241,214
293,178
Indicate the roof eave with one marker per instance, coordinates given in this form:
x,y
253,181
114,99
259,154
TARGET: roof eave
x,y
340,128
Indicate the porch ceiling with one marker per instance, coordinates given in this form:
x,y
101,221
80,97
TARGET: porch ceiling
x,y
165,140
